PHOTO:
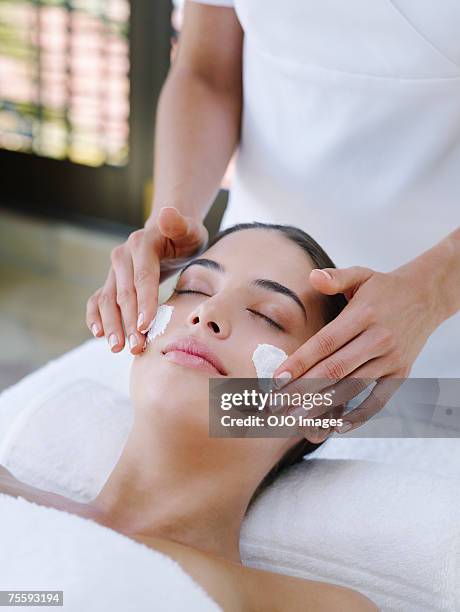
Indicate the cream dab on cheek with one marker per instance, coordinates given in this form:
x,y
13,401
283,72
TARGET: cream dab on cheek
x,y
160,322
266,359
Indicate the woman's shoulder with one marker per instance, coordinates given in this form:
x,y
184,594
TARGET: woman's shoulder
x,y
299,594
215,574
238,588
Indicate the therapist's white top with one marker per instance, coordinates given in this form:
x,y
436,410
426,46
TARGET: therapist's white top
x,y
351,131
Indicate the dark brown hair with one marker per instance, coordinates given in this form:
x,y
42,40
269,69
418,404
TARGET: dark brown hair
x,y
333,306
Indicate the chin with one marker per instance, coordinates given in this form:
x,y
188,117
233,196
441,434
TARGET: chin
x,y
167,387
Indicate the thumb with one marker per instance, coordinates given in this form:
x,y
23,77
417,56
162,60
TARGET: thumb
x,y
187,233
172,223
340,280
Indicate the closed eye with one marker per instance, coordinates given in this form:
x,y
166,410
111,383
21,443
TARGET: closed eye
x,y
179,291
269,321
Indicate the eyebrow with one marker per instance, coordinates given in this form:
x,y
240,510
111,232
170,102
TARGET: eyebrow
x,y
278,288
206,263
263,283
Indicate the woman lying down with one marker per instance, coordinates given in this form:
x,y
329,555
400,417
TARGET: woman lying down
x,y
175,489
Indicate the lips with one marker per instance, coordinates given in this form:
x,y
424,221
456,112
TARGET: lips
x,y
192,346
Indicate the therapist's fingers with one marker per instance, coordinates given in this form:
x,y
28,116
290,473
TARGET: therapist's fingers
x,y
349,387
110,314
327,397
370,374
145,262
377,399
126,297
318,433
349,324
331,281
93,318
185,236
344,361
297,398
164,246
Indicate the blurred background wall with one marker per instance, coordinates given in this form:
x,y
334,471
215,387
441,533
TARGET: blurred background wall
x,y
79,84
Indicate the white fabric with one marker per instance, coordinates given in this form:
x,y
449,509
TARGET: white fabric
x,y
92,360
351,130
382,529
392,534
212,2
93,383
96,567
68,438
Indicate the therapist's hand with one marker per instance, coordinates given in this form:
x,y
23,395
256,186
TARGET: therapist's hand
x,y
378,335
127,303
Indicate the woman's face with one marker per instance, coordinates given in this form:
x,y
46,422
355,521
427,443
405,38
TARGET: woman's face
x,y
249,288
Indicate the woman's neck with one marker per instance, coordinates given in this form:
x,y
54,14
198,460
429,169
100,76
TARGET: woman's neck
x,y
163,488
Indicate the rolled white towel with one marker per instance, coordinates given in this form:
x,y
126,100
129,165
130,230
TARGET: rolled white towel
x,y
68,438
393,534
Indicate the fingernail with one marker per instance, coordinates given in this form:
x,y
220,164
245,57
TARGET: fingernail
x,y
149,327
133,341
345,427
324,273
95,329
113,341
282,379
140,320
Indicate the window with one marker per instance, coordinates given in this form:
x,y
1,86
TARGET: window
x,y
64,89
79,80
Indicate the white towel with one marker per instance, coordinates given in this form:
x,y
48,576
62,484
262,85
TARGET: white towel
x,y
91,360
96,567
68,438
393,534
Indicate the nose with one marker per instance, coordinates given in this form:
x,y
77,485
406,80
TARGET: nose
x,y
212,318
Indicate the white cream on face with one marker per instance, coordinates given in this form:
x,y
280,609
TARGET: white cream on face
x,y
160,322
266,359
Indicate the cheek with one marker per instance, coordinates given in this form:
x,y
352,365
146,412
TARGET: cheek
x,y
266,359
258,349
160,322
135,378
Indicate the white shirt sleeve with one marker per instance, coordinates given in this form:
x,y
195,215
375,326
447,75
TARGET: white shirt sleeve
x,y
216,2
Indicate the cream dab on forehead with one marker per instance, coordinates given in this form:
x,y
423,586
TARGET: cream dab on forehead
x,y
160,322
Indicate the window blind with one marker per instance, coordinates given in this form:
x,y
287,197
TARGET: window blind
x,y
64,79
